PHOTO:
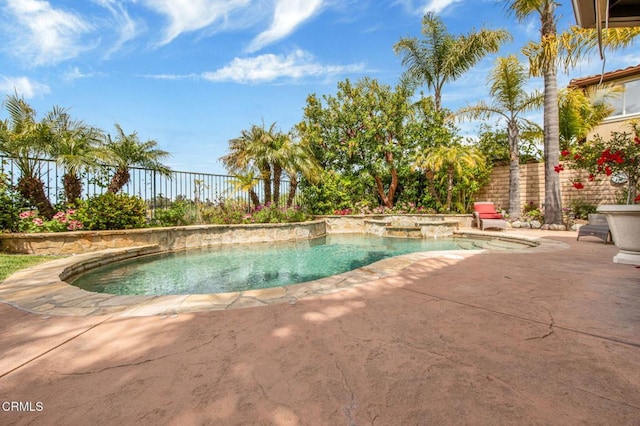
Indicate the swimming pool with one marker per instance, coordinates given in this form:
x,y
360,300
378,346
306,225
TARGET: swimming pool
x,y
254,266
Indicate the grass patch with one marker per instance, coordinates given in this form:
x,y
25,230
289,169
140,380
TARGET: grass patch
x,y
10,263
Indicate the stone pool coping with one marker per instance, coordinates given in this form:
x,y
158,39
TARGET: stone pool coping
x,y
41,289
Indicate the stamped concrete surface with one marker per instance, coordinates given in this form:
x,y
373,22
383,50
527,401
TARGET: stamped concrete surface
x,y
547,337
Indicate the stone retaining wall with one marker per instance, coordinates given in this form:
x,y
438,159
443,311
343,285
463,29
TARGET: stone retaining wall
x,y
172,238
185,237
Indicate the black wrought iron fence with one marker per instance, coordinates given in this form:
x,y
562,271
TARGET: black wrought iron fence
x,y
156,189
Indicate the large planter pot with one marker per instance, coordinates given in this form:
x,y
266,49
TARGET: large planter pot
x,y
624,223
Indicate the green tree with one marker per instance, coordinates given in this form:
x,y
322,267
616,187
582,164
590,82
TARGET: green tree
x,y
580,111
270,154
28,142
126,151
362,130
544,58
456,161
441,57
509,100
77,147
299,161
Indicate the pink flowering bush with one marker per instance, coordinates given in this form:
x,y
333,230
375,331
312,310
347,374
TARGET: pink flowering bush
x,y
60,222
603,158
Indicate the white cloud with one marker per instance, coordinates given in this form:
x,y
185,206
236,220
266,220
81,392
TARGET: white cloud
x,y
23,86
423,7
75,74
44,35
270,67
193,15
126,27
437,6
287,16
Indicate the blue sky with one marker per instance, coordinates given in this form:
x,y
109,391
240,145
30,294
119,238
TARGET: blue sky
x,y
192,74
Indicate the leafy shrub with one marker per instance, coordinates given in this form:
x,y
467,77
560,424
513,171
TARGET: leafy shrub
x,y
274,214
224,212
532,212
581,209
11,204
112,211
179,213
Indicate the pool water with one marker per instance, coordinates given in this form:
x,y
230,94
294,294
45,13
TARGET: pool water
x,y
253,266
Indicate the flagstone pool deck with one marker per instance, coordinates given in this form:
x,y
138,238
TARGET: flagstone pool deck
x,y
546,336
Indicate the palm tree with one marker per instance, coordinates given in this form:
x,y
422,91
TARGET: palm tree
x,y
266,151
580,111
127,151
246,182
299,160
454,160
441,57
509,100
27,142
544,58
251,151
76,147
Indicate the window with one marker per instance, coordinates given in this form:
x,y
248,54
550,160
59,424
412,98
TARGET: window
x,y
629,102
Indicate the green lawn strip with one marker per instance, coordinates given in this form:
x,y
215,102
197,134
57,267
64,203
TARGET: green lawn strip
x,y
10,263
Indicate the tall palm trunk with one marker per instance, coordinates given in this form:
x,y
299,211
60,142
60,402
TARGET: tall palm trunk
x,y
72,188
119,180
277,177
552,193
293,188
513,134
32,189
266,180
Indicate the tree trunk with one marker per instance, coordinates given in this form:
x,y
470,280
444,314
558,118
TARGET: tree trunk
x,y
119,180
72,188
514,169
387,197
552,194
432,187
266,181
32,189
277,176
293,187
254,197
449,189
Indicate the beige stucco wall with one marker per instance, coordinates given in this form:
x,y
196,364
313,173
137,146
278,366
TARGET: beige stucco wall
x,y
532,187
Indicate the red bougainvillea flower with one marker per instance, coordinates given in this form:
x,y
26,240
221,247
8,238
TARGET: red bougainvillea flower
x,y
636,140
577,157
608,170
558,168
565,153
578,185
591,178
637,199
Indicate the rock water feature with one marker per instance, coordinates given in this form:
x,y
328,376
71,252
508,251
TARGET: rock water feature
x,y
411,229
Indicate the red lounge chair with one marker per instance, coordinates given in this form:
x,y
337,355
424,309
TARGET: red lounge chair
x,y
486,216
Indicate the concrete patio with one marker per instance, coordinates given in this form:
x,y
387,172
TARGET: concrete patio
x,y
547,337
